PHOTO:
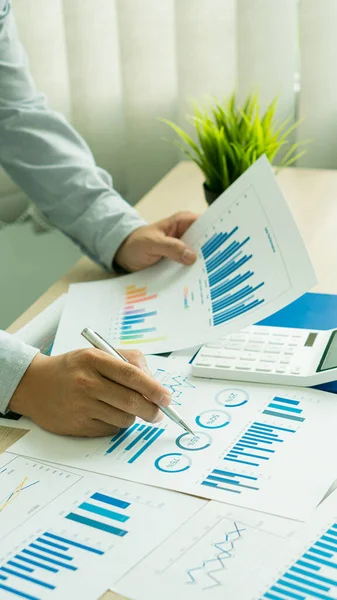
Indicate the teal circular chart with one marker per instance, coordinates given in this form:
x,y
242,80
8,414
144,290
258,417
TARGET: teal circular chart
x,y
232,397
174,462
192,443
213,419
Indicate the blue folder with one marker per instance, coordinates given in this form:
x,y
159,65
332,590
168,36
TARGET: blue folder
x,y
311,311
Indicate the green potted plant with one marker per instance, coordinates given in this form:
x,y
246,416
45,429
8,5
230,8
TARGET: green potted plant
x,y
230,138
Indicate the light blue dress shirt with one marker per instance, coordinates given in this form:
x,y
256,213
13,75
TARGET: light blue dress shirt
x,y
49,160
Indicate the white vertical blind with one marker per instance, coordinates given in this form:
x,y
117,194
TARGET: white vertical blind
x,y
95,75
267,51
115,66
150,88
206,39
318,98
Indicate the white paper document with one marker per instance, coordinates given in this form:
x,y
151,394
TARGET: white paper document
x,y
251,263
41,330
256,446
308,568
69,534
221,553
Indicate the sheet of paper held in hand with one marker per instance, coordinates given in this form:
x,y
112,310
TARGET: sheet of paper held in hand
x,y
256,446
251,262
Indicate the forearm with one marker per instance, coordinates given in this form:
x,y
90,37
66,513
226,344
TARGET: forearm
x,y
46,157
15,358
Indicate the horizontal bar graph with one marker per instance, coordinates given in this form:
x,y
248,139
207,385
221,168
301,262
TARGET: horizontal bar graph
x,y
313,575
38,565
258,444
285,409
134,441
229,481
226,261
137,322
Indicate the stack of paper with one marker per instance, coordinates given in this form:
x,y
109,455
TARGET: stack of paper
x,y
229,512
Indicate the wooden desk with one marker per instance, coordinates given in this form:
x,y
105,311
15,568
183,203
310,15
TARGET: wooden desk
x,y
312,197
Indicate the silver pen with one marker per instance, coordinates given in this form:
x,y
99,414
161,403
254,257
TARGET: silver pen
x,y
97,341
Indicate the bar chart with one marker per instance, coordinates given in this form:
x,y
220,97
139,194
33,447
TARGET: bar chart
x,y
231,281
137,323
37,566
258,444
285,409
130,444
313,575
106,510
229,481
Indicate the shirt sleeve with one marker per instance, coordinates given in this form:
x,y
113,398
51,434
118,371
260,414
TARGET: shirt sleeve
x,y
15,358
50,161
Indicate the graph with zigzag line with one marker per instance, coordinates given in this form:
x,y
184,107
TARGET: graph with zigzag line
x,y
223,551
15,493
176,384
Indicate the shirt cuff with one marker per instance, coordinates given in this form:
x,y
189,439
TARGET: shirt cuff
x,y
15,358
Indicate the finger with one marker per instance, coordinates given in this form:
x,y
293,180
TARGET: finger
x,y
96,428
127,375
177,224
135,357
170,247
128,403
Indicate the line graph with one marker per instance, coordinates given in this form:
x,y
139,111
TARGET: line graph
x,y
15,493
176,384
207,573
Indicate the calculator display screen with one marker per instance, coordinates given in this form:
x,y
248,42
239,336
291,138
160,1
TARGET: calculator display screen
x,y
329,358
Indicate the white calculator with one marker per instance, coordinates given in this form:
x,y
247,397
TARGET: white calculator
x,y
271,355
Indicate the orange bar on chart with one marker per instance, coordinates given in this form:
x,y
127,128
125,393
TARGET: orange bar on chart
x,y
143,299
136,291
130,287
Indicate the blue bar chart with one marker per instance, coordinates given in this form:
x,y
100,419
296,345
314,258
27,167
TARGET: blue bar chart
x,y
36,566
100,512
313,575
258,444
227,267
229,481
285,409
131,443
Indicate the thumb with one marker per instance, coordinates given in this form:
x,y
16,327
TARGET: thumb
x,y
176,250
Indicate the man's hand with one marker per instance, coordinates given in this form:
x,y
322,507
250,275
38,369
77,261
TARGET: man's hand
x,y
148,244
88,393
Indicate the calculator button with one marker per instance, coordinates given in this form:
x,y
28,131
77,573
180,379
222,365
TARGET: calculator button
x,y
288,353
243,365
215,345
271,350
295,372
285,361
280,371
233,346
251,356
211,353
237,338
273,342
252,348
269,358
203,362
223,364
263,369
258,339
